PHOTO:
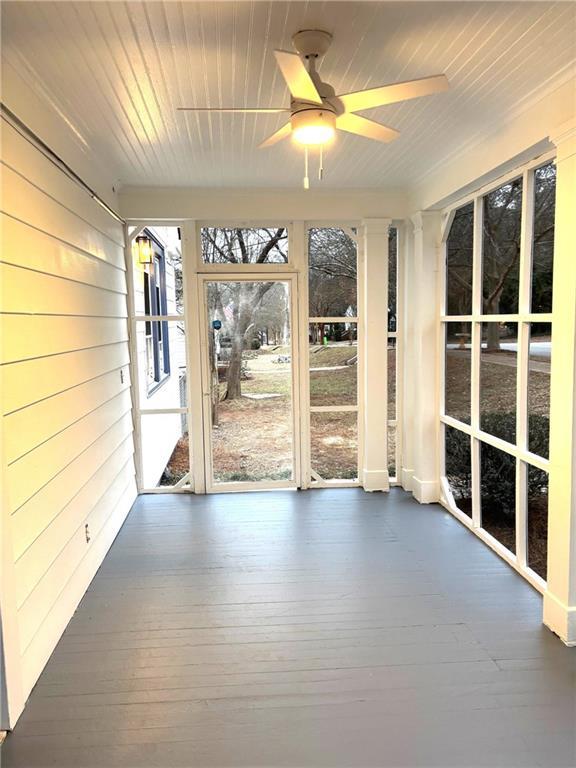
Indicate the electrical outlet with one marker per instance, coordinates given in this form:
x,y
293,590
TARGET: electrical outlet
x,y
87,531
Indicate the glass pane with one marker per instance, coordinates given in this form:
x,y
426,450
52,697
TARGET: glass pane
x,y
333,356
165,453
457,371
161,364
539,388
392,452
250,355
332,259
392,278
537,520
498,366
392,379
498,494
334,445
458,462
157,263
543,242
501,248
237,245
459,262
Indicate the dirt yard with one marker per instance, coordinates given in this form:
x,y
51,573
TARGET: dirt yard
x,y
253,438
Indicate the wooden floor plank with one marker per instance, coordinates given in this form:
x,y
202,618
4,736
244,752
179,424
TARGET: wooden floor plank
x,y
319,628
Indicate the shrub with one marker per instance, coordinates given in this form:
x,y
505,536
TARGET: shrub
x,y
498,475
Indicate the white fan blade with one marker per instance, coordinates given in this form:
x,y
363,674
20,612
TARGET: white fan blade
x,y
390,94
364,127
297,78
281,133
249,110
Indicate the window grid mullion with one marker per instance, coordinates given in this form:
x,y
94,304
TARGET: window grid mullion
x,y
523,361
477,256
521,512
530,458
522,366
476,344
476,496
526,234
529,317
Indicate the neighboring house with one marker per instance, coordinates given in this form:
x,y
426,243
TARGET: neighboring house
x,y
161,353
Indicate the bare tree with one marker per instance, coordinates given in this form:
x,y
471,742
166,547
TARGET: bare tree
x,y
332,260
501,238
243,298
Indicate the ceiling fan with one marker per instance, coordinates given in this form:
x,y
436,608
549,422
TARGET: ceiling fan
x,y
316,112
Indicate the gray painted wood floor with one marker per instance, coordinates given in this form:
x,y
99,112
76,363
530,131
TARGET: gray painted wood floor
x,y
323,628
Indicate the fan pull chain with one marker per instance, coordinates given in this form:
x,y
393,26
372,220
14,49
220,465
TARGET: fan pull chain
x,y
306,179
321,167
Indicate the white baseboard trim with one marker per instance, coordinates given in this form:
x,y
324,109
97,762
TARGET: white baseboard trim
x,y
560,618
375,480
425,491
406,478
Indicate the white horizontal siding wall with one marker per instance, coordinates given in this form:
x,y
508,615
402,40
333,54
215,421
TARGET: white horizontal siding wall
x,y
66,407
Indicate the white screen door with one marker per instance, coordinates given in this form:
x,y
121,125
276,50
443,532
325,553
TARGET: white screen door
x,y
250,381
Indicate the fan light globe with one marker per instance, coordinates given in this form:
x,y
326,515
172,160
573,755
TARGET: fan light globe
x,y
313,127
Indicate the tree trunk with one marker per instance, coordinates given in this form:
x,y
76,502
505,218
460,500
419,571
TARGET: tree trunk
x,y
234,387
247,302
493,329
493,337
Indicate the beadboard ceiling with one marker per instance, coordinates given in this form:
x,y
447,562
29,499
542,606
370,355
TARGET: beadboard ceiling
x,y
117,71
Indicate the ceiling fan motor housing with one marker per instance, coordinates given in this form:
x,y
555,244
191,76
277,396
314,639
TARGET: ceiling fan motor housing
x,y
312,42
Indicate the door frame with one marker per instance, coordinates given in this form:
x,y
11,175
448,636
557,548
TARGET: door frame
x,y
293,280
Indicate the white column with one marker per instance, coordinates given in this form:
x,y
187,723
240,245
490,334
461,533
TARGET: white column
x,y
560,596
409,374
191,261
423,303
375,347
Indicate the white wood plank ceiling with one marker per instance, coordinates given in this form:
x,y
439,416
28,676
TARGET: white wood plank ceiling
x,y
117,71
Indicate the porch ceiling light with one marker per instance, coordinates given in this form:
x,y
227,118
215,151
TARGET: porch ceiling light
x,y
313,126
145,252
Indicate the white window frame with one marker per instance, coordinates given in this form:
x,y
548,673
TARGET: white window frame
x,y
310,478
229,269
523,318
194,271
186,484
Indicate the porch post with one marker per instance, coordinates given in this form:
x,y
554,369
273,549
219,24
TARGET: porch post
x,y
375,295
422,302
560,596
408,377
